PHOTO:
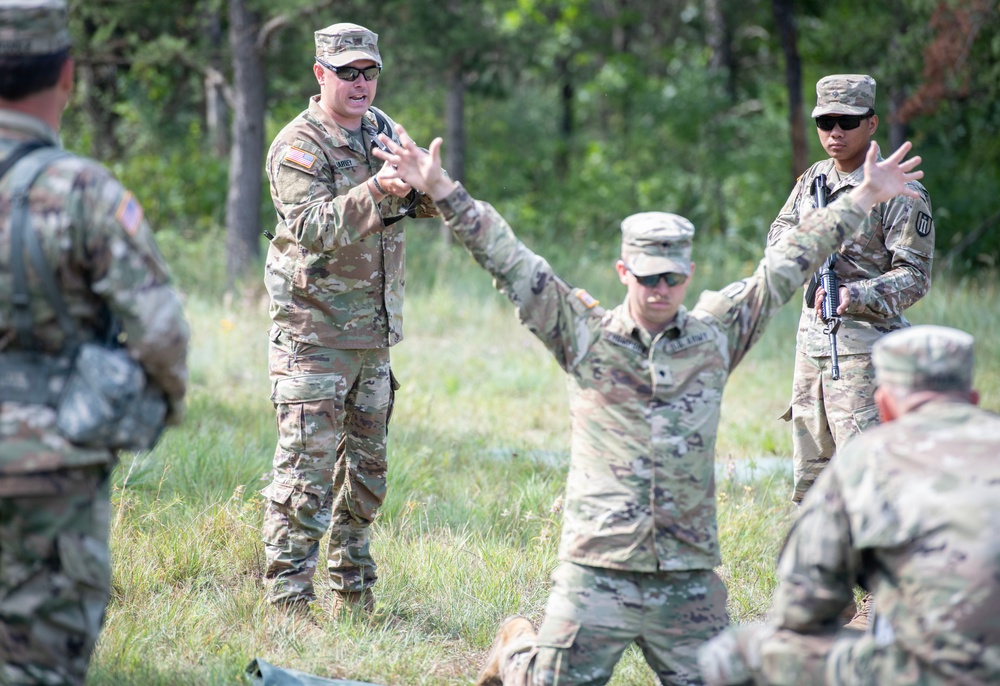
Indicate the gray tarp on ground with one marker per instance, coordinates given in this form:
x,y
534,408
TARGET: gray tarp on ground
x,y
263,673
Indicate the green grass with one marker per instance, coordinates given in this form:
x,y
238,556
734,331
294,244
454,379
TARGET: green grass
x,y
478,454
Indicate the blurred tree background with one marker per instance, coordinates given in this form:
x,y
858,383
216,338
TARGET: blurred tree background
x,y
566,114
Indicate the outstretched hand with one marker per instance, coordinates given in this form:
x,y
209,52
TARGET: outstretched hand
x,y
421,168
886,179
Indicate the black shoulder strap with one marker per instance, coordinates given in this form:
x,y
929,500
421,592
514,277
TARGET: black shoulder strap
x,y
23,236
19,152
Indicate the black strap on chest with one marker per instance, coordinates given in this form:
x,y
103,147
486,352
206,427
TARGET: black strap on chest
x,y
36,156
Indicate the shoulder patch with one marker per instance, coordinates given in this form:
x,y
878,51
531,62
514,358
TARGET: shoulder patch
x,y
300,157
129,213
924,224
587,299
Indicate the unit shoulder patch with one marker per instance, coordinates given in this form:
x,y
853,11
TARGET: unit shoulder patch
x,y
924,224
587,299
300,158
129,213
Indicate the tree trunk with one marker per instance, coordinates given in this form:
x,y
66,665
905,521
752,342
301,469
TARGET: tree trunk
x,y
216,108
720,39
454,128
567,123
785,19
246,159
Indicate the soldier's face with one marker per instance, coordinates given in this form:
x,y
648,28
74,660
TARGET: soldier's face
x,y
345,101
653,307
848,148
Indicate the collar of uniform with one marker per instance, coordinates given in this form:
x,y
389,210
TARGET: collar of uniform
x,y
627,325
336,132
32,127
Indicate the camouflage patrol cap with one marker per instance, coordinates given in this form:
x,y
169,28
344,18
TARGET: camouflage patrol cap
x,y
657,242
33,27
844,94
341,44
925,358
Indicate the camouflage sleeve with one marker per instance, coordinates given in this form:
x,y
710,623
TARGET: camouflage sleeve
x,y
744,308
788,217
551,309
305,193
128,272
818,566
909,236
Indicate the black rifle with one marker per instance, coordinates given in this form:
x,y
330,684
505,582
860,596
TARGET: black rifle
x,y
827,278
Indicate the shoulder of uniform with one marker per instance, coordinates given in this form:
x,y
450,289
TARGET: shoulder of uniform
x,y
583,302
299,153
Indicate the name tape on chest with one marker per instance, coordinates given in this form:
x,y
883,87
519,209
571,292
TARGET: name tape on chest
x,y
345,164
300,157
671,347
625,342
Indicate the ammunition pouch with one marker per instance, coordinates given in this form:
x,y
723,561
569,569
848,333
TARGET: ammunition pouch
x,y
101,395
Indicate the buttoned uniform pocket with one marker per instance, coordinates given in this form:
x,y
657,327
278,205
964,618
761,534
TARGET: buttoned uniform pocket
x,y
295,398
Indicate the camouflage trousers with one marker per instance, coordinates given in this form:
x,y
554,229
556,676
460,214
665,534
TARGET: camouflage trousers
x,y
55,573
593,614
781,657
826,413
333,407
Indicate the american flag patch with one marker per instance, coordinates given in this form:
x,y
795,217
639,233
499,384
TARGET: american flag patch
x,y
587,299
129,213
300,157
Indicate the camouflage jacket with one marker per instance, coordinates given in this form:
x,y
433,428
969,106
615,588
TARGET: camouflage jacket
x,y
640,493
102,255
886,267
333,270
909,510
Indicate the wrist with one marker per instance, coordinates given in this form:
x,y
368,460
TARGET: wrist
x,y
441,188
378,187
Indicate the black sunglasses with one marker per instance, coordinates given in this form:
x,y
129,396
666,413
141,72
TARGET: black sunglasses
x,y
847,122
651,280
351,73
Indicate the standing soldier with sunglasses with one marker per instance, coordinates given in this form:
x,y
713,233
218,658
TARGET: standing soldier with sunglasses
x,y
639,537
882,270
334,272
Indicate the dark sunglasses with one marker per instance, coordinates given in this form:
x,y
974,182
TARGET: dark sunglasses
x,y
847,122
651,280
351,73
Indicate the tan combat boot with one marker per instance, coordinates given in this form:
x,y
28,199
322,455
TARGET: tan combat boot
x,y
353,602
861,617
511,630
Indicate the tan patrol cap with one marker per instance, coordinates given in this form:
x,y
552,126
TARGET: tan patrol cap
x,y
844,94
33,27
925,358
341,44
657,242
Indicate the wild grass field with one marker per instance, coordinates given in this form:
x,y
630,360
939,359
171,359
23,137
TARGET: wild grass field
x,y
477,461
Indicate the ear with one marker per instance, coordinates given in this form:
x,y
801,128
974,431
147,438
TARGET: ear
x,y
622,272
886,405
872,125
318,71
691,275
974,396
65,82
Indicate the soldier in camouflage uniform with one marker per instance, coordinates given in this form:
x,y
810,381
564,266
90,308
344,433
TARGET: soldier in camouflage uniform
x,y
908,509
639,537
335,276
55,572
883,270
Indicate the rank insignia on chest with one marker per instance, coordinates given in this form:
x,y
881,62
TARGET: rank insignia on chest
x,y
304,159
